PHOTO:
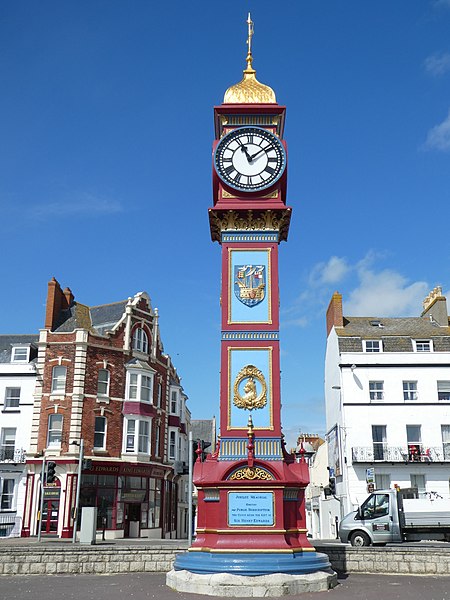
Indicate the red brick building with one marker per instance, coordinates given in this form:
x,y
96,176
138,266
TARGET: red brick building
x,y
104,385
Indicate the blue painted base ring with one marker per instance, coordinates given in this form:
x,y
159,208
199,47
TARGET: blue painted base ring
x,y
252,563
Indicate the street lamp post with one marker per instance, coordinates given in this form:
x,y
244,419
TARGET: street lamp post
x,y
77,498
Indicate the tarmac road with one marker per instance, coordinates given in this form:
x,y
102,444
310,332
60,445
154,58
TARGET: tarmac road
x,y
144,586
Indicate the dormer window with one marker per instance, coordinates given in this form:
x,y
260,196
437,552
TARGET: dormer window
x,y
423,346
140,340
372,345
20,354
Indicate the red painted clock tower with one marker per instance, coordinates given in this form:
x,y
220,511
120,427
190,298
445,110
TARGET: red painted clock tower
x,y
250,515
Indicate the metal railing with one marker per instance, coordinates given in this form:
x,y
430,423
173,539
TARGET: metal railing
x,y
13,455
400,454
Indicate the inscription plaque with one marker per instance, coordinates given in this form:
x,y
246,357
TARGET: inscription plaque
x,y
250,508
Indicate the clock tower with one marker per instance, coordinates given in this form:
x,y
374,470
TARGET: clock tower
x,y
250,513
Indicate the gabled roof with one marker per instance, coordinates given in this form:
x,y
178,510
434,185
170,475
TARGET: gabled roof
x,y
378,327
96,318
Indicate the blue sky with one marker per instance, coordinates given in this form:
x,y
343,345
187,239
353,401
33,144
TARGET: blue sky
x,y
106,126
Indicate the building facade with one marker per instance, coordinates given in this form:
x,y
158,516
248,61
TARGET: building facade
x,y
387,392
17,380
103,406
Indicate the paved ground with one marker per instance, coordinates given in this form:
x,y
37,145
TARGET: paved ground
x,y
144,586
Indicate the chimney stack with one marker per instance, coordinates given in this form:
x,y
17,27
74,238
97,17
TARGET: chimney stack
x,y
334,313
57,300
435,307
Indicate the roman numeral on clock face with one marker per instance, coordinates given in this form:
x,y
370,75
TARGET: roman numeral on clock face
x,y
229,170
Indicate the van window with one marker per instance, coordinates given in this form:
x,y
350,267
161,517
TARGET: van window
x,y
375,506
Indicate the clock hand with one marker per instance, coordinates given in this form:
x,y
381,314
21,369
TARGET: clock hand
x,y
259,152
245,151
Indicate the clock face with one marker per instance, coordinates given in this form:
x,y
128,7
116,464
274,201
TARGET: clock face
x,y
249,159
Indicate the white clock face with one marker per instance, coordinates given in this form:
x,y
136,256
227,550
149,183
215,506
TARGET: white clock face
x,y
250,159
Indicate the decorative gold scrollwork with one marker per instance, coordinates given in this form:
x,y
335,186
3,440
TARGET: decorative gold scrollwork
x,y
251,473
250,399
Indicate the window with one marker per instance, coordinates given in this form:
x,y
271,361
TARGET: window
x,y
59,379
173,402
372,345
137,435
445,430
376,391
422,345
443,390
131,431
146,388
418,481
159,394
375,506
414,438
55,423
20,354
100,433
6,494
140,340
410,390
103,382
12,397
144,436
172,445
379,441
8,442
382,481
140,387
157,439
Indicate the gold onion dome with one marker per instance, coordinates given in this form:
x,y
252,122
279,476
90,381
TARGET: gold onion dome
x,y
249,90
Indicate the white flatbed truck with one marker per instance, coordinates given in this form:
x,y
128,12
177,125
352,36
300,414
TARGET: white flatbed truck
x,y
387,516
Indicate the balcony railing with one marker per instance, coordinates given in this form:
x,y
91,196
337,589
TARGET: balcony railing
x,y
12,455
400,454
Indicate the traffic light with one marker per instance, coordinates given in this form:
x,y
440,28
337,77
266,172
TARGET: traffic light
x,y
203,446
51,472
332,486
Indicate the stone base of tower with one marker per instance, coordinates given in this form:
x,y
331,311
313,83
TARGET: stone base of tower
x,y
272,585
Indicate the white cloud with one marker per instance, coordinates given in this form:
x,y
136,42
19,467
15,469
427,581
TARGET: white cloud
x,y
367,291
386,294
438,137
331,272
83,205
437,64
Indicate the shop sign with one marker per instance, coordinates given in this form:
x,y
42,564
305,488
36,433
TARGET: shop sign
x,y
133,496
52,493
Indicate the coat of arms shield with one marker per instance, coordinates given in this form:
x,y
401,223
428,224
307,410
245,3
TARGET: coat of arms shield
x,y
250,284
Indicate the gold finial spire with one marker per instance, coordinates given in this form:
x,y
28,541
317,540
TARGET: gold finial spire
x,y
249,59
249,90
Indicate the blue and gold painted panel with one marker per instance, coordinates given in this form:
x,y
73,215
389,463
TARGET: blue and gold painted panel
x,y
250,387
249,294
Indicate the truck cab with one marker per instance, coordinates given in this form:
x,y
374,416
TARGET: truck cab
x,y
375,522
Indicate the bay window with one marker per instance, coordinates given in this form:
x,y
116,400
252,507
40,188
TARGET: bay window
x,y
137,434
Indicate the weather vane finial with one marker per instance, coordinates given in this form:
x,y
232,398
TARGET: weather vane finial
x,y
249,59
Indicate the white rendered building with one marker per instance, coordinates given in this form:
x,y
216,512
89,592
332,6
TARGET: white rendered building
x,y
387,395
17,382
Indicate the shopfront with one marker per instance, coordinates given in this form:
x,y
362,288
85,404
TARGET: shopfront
x,y
132,500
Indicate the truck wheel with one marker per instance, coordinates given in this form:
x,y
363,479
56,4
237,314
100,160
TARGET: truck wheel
x,y
359,538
